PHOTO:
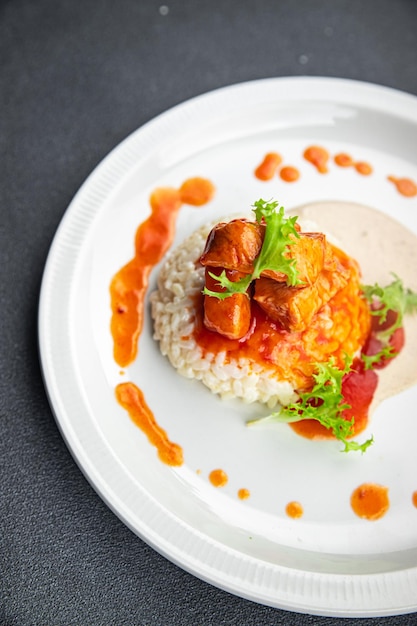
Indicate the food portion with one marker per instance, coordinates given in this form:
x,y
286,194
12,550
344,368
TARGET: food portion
x,y
264,310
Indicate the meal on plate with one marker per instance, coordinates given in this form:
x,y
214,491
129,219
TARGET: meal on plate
x,y
266,309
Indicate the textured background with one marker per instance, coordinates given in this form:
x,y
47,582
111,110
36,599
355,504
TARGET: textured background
x,y
76,78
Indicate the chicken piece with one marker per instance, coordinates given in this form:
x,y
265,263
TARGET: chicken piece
x,y
230,317
308,252
234,245
295,308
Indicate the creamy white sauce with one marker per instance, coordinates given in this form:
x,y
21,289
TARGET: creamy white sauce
x,y
382,246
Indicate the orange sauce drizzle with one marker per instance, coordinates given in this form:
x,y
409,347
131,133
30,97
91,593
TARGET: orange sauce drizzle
x,y
243,494
128,290
218,478
370,501
363,168
317,156
131,398
153,238
294,510
289,174
345,160
405,186
414,498
196,191
269,165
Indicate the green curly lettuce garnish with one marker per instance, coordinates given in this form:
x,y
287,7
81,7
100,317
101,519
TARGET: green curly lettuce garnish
x,y
324,403
279,235
371,360
393,298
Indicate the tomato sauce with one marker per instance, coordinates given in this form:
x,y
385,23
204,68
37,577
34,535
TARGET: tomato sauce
x,y
342,159
131,398
370,501
128,291
153,238
294,510
317,156
363,168
218,478
405,186
289,174
266,170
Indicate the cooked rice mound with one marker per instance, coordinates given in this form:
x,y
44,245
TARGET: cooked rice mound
x,y
180,281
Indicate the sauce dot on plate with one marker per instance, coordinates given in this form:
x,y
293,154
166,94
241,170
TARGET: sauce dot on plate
x,y
267,168
370,501
414,498
317,156
405,186
343,160
289,174
243,494
363,168
294,510
218,478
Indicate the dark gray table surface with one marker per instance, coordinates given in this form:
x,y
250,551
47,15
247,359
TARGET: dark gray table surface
x,y
76,78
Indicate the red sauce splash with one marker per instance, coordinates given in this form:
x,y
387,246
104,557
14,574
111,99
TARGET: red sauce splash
x,y
131,398
268,167
363,168
128,290
370,501
289,174
359,385
345,160
405,186
317,156
294,510
218,478
358,389
153,238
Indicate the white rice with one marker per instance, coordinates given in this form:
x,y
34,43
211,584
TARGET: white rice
x,y
180,280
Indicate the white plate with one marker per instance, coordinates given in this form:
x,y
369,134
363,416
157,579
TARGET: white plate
x,y
328,562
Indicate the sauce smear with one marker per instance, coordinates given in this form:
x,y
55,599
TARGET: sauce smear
x,y
131,398
405,186
370,501
289,174
363,168
153,238
342,159
317,156
269,165
128,290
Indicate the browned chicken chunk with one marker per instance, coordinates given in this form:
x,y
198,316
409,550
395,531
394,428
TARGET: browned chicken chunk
x,y
295,308
235,245
308,252
230,317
